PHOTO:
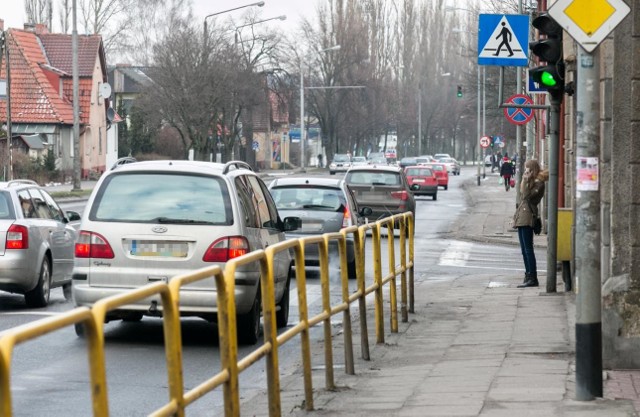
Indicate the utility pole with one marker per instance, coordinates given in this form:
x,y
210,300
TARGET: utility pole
x,y
419,119
587,256
552,195
77,167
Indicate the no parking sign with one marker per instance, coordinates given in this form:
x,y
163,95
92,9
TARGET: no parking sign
x,y
515,115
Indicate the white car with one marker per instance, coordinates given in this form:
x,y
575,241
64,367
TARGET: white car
x,y
359,161
341,163
453,167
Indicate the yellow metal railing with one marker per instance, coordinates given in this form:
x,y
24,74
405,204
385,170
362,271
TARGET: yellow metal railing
x,y
92,319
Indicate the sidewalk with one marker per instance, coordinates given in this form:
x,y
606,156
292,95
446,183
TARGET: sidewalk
x,y
476,346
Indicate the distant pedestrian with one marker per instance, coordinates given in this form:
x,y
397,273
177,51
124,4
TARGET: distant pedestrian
x,y
493,162
531,192
320,160
507,171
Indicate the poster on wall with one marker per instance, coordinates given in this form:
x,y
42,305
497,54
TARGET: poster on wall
x,y
587,168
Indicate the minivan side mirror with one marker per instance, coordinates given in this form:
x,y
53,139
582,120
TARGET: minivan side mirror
x,y
73,216
291,223
366,211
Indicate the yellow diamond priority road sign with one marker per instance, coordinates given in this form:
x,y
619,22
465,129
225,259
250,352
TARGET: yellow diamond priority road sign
x,y
589,22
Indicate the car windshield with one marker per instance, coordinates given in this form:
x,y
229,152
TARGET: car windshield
x,y
413,172
437,167
340,158
373,178
163,198
308,198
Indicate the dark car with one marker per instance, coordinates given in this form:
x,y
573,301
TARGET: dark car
x,y
324,205
408,161
383,188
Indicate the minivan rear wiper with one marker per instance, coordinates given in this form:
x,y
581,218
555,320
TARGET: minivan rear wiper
x,y
179,221
378,183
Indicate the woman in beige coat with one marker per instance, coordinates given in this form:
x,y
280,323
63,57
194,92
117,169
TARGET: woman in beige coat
x,y
531,192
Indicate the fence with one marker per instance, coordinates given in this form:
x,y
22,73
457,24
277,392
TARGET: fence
x,y
228,377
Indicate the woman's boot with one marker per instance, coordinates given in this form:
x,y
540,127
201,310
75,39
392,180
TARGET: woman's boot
x,y
532,282
527,276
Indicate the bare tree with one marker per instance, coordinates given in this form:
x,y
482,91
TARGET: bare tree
x,y
64,14
39,11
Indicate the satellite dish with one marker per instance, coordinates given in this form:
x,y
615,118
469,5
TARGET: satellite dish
x,y
105,90
111,114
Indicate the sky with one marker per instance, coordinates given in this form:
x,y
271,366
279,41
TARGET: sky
x,y
12,11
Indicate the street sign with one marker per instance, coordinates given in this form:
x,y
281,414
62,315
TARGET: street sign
x,y
501,144
533,87
518,116
255,145
589,22
485,141
503,40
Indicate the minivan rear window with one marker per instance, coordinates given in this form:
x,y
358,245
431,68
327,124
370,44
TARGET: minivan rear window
x,y
373,178
163,198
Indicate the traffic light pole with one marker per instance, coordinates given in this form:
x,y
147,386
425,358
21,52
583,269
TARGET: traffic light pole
x,y
552,194
587,223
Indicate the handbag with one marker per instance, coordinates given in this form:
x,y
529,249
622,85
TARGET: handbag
x,y
512,182
500,181
537,222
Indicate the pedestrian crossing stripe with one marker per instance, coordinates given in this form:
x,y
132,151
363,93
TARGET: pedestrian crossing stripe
x,y
503,40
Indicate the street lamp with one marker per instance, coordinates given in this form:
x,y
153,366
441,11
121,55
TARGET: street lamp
x,y
302,136
480,128
259,4
283,17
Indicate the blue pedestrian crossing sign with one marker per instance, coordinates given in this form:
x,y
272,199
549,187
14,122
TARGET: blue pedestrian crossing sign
x,y
503,40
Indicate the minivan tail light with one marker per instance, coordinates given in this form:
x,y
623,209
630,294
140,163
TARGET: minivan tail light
x,y
92,245
17,237
226,248
400,195
346,219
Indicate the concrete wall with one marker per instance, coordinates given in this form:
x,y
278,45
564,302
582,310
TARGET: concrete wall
x,y
621,286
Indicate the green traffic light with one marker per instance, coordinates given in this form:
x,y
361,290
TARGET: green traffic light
x,y
459,94
547,79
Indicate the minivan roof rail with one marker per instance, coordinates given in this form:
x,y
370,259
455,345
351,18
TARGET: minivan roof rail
x,y
18,182
236,165
125,160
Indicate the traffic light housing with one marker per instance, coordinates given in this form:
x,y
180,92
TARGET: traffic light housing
x,y
549,76
459,93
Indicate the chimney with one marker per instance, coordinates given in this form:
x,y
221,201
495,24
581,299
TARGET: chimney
x,y
41,29
1,25
29,27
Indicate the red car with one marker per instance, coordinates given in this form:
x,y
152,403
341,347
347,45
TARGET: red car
x,y
441,173
422,180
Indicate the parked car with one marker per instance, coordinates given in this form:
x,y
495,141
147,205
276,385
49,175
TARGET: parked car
x,y
408,161
439,156
150,221
383,188
422,181
441,173
453,167
341,163
325,206
487,161
377,158
424,159
358,161
37,242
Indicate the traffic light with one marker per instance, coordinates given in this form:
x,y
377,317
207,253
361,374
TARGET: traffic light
x,y
549,76
493,139
459,94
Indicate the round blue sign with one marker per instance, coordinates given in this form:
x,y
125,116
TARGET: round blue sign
x,y
519,116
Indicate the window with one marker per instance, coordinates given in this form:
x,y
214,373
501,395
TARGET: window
x,y
373,178
148,197
308,198
28,211
266,215
419,171
53,207
246,202
42,210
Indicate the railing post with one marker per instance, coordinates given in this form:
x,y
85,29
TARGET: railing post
x,y
270,332
377,276
231,386
346,314
391,248
403,265
323,249
359,241
412,262
303,311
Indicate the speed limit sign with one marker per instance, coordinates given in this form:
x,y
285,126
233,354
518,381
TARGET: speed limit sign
x,y
485,141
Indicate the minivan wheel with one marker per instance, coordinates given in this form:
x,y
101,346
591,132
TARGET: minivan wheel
x,y
282,315
66,291
39,296
249,324
79,328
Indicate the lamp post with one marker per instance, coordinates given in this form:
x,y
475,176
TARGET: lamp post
x,y
480,128
302,136
283,17
206,34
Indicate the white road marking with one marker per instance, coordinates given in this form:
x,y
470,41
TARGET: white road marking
x,y
456,254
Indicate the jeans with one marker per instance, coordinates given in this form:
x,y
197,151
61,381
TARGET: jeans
x,y
525,235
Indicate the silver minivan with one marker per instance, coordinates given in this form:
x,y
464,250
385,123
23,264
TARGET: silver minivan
x,y
150,221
